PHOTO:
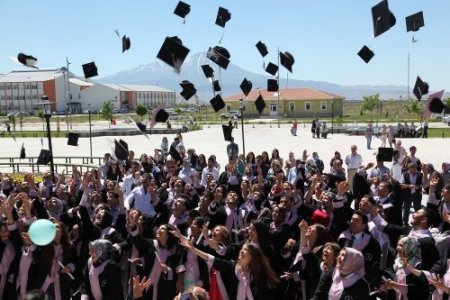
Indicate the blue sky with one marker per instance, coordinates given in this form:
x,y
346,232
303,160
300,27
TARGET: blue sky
x,y
323,35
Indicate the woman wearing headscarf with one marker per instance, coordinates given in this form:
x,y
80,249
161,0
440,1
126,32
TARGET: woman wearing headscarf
x,y
348,277
328,262
102,277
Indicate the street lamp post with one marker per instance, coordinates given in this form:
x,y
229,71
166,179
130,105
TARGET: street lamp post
x,y
241,108
47,116
332,117
90,131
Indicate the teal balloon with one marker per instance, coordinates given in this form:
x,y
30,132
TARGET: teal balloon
x,y
42,232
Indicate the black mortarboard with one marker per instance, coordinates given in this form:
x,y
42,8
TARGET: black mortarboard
x,y
219,55
383,18
287,60
262,48
272,69
436,105
420,88
223,16
260,104
385,154
142,127
189,89
246,86
173,52
159,115
217,103
227,130
72,139
272,85
44,157
174,153
415,21
27,60
121,149
126,43
366,54
208,71
182,9
216,86
22,152
90,70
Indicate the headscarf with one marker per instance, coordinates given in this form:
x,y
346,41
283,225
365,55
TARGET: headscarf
x,y
59,208
103,250
411,250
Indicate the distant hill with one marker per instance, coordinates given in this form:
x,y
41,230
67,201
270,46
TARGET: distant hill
x,y
158,73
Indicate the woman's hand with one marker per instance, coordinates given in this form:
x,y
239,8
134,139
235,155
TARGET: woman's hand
x,y
140,285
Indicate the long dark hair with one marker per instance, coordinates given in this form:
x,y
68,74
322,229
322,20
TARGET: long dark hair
x,y
259,267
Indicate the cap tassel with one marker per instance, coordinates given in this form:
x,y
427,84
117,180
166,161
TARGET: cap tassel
x,y
184,21
221,37
264,65
177,63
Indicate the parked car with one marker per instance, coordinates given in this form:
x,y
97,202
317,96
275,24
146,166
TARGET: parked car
x,y
446,120
231,114
174,116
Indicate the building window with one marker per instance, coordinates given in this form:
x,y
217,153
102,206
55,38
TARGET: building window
x,y
323,105
308,106
291,106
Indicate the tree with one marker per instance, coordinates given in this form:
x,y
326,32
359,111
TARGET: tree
x,y
415,107
446,102
107,111
40,113
370,103
141,110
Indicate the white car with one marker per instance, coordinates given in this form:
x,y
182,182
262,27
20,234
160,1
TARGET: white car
x,y
446,120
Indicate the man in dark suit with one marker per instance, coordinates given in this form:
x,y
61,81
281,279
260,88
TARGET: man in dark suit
x,y
411,185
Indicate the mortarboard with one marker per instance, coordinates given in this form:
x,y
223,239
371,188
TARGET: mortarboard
x,y
126,43
159,115
272,85
173,52
22,152
246,86
44,157
414,21
140,126
366,54
262,48
216,86
220,56
217,103
182,9
287,60
227,130
385,154
121,149
260,104
434,104
72,139
174,153
189,89
420,88
272,69
27,60
223,16
90,70
208,71
383,18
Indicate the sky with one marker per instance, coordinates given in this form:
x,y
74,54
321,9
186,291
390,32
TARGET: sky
x,y
324,36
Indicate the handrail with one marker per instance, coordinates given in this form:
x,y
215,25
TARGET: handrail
x,y
18,167
56,159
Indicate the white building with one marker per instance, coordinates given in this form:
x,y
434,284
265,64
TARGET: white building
x,y
21,91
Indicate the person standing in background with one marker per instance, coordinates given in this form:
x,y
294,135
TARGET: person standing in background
x,y
368,134
425,129
353,162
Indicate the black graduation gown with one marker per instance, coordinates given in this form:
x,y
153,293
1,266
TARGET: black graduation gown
x,y
324,285
358,291
110,282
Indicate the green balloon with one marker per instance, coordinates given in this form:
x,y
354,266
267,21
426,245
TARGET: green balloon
x,y
42,232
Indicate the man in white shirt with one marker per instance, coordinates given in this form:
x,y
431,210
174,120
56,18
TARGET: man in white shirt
x,y
142,198
209,169
396,168
353,162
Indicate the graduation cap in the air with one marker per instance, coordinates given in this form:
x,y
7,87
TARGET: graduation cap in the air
x,y
227,130
120,149
287,60
216,86
189,89
175,154
72,139
366,54
272,85
262,48
208,71
383,19
385,154
27,60
414,22
434,102
272,69
44,157
246,86
223,16
173,53
219,55
217,103
140,126
182,10
260,104
420,88
22,152
159,115
126,43
90,70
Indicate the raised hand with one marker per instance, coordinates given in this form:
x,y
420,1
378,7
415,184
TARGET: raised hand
x,y
140,285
